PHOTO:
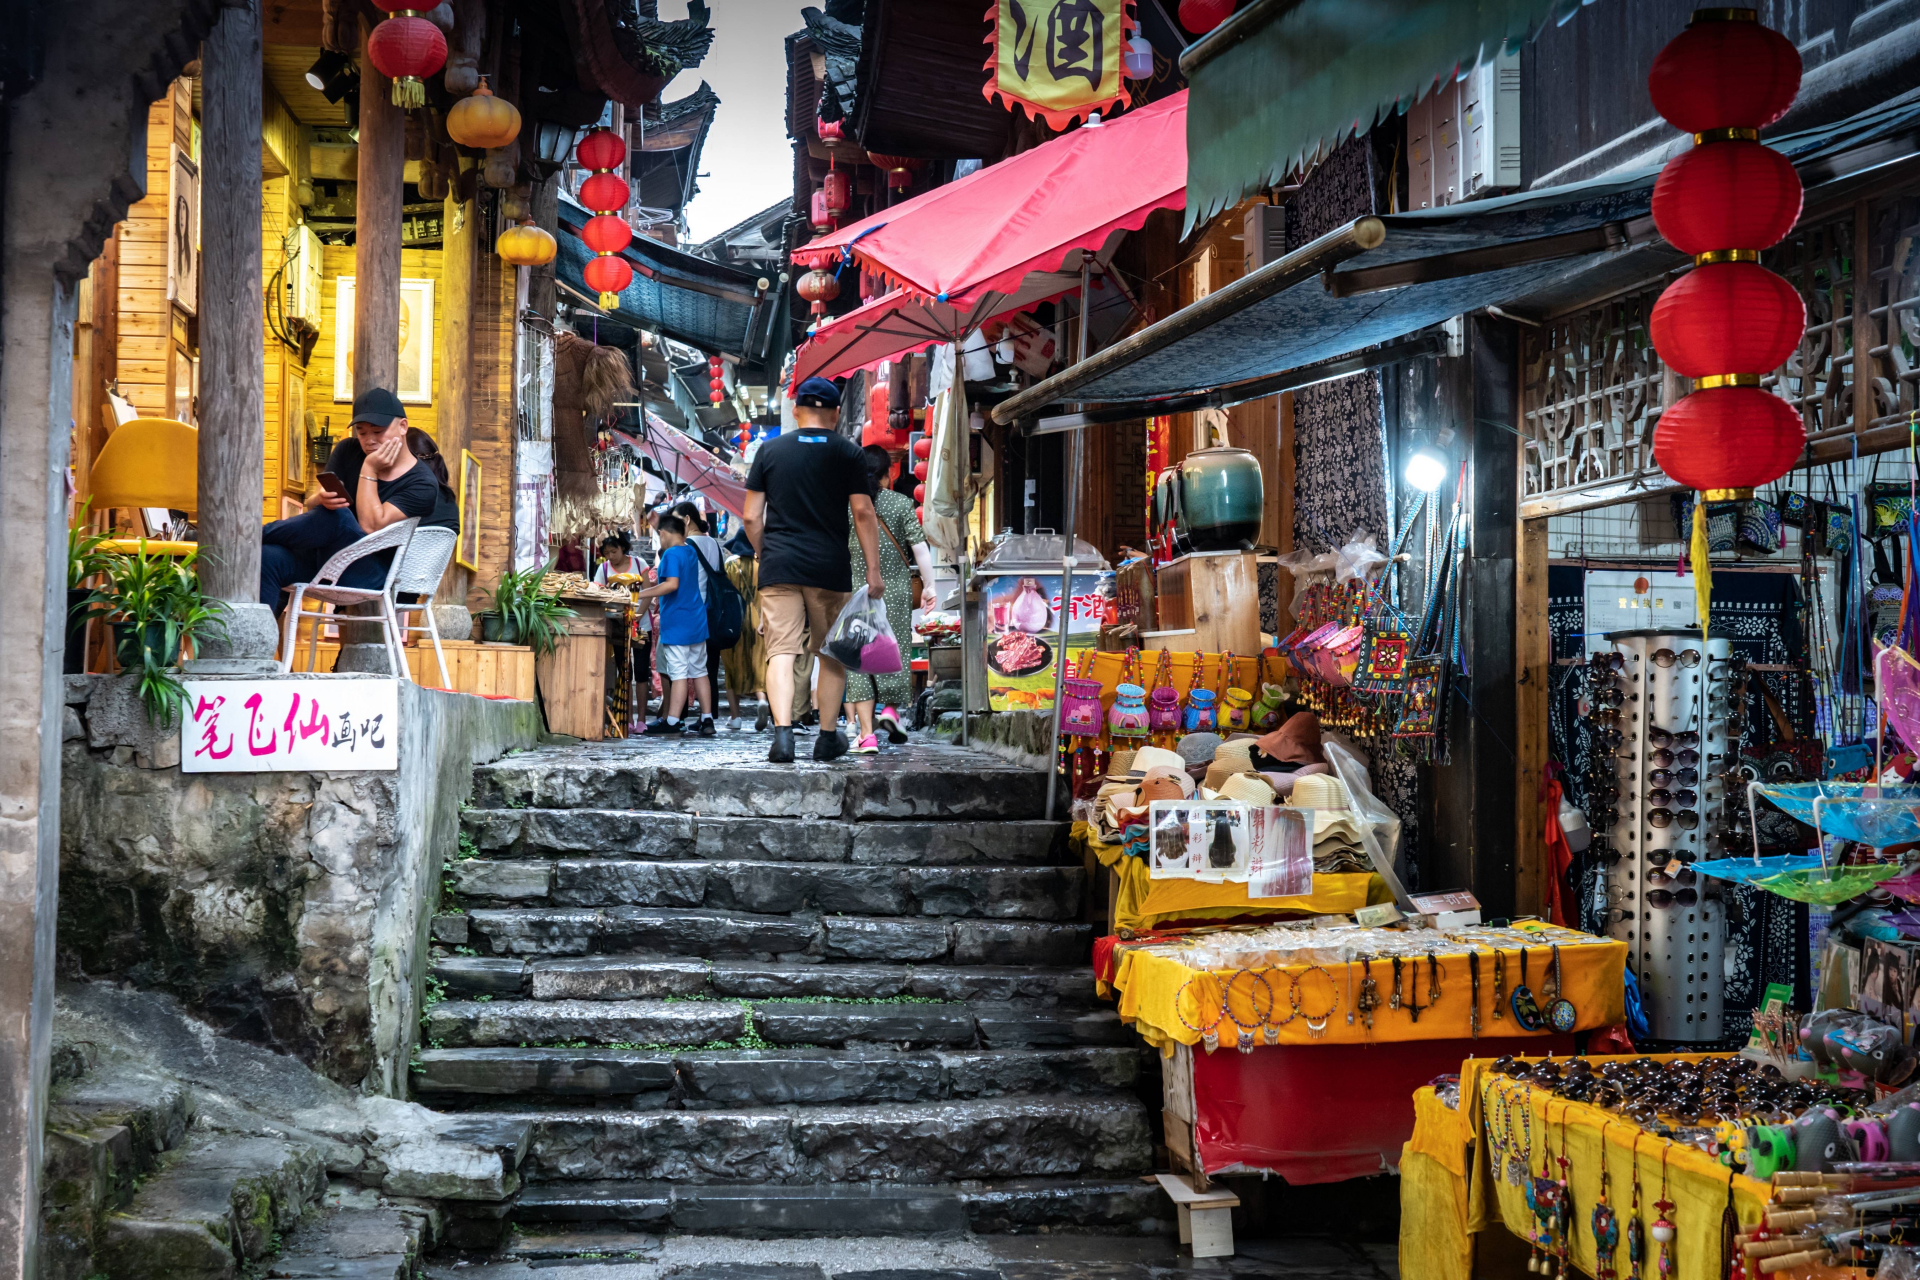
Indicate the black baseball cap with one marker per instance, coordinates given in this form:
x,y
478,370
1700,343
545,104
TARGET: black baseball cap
x,y
378,406
817,393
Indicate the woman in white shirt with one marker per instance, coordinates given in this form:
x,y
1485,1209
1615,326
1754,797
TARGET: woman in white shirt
x,y
616,560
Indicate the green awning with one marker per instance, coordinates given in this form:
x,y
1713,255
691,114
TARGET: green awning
x,y
1283,80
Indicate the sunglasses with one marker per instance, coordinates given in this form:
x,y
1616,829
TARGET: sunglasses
x,y
1602,794
1600,662
1685,777
1608,697
1685,658
1601,818
1669,738
1664,757
1661,879
1606,857
1671,897
1607,734
1685,819
1681,799
1663,856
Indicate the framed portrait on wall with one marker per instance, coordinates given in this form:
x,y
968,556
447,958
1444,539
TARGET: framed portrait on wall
x,y
293,431
416,341
467,549
183,233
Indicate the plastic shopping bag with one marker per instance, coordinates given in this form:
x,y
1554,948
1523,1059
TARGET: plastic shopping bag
x,y
861,639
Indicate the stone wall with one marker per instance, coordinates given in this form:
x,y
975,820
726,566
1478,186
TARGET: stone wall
x,y
287,909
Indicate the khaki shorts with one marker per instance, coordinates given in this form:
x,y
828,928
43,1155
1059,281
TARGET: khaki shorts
x,y
787,611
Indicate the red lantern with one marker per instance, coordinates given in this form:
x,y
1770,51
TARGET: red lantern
x,y
1732,437
1722,72
819,288
607,276
715,397
920,469
839,191
606,233
919,493
920,514
1728,317
604,191
601,149
1726,195
923,447
1202,16
830,131
820,217
900,169
406,50
717,383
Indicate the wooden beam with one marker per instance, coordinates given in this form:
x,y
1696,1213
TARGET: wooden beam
x,y
232,338
377,212
454,403
1533,656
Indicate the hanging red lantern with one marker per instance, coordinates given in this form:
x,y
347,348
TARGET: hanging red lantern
x,y
407,49
601,149
839,191
819,288
820,218
1725,71
608,276
920,469
920,514
923,447
830,131
606,233
900,169
716,384
1728,317
604,191
1202,16
1726,195
1726,438
919,493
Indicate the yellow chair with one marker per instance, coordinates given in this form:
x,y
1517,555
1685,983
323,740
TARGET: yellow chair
x,y
148,462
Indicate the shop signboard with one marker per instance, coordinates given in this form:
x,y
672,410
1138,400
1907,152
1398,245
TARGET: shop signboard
x,y
314,724
1020,617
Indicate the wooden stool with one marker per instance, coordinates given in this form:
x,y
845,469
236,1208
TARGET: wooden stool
x,y
1206,1217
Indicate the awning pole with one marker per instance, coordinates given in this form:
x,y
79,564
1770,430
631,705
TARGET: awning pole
x,y
1075,453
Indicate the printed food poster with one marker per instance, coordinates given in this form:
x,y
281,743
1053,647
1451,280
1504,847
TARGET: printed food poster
x,y
1021,614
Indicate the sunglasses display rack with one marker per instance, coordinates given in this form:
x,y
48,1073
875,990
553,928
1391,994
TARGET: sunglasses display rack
x,y
1660,703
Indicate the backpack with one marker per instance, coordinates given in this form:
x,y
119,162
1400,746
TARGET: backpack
x,y
726,611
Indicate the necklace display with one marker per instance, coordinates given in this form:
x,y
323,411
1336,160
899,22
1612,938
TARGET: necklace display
x,y
1393,1001
1316,1023
1473,981
1560,1013
1369,993
1499,983
1604,1224
1663,1230
1636,1230
1525,1011
1244,1031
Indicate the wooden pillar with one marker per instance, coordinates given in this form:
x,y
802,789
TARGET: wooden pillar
x,y
459,246
232,342
1533,654
376,245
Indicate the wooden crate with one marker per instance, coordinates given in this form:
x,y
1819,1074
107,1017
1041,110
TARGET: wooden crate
x,y
573,678
490,670
1217,593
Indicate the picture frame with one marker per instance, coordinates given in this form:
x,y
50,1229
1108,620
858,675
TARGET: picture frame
x,y
183,233
293,428
466,550
416,341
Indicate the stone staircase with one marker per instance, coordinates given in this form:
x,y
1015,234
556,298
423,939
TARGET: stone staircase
x,y
847,999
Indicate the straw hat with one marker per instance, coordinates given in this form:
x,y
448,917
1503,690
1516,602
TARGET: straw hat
x,y
1147,758
1247,788
1166,784
1198,748
1227,763
1121,762
1327,797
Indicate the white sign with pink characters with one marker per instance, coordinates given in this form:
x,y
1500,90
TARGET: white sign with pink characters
x,y
309,725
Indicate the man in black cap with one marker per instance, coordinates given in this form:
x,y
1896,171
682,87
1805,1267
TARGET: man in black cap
x,y
803,485
383,482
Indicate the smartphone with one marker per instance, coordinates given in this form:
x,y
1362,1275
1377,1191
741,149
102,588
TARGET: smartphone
x,y
334,485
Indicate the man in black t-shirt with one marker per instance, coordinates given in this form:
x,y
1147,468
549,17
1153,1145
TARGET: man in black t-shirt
x,y
804,486
387,484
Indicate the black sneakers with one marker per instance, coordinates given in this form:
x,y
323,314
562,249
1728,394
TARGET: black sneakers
x,y
782,749
831,745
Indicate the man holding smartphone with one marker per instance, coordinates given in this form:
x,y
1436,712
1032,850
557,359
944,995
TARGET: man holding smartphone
x,y
376,477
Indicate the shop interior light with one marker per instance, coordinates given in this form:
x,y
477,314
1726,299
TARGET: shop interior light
x,y
325,67
1426,469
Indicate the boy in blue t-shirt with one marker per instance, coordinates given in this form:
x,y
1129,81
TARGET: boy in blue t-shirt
x,y
682,653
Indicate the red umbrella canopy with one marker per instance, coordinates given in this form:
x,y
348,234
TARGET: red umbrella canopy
x,y
987,232
899,323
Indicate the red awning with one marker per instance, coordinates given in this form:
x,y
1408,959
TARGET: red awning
x,y
899,323
986,233
686,461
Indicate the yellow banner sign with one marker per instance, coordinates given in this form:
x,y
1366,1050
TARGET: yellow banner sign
x,y
1059,59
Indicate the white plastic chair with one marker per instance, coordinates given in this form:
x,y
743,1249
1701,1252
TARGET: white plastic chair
x,y
325,587
422,565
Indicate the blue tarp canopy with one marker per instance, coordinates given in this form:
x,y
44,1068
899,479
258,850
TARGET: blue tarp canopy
x,y
705,304
1430,266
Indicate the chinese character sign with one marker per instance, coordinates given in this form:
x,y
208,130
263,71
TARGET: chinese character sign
x,y
1060,59
290,725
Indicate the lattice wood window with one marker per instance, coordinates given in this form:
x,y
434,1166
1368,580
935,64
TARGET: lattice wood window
x,y
1592,395
1818,380
1893,307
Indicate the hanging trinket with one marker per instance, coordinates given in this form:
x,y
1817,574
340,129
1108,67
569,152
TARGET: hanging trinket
x,y
1473,981
1561,1015
1636,1229
1525,1011
1369,993
1603,1222
1499,984
1393,1000
1209,1033
1244,1031
1316,1022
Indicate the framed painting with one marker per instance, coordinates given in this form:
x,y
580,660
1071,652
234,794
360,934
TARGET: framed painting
x,y
416,341
293,428
467,550
183,233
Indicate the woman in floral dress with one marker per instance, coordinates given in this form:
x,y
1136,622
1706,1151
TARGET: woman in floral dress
x,y
876,699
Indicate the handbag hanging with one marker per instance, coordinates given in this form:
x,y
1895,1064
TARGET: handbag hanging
x,y
1201,714
1081,715
1384,653
1163,702
1128,716
1266,708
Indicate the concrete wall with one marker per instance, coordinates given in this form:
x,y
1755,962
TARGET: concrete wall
x,y
288,909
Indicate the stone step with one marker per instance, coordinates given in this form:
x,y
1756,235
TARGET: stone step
x,y
356,1240
573,931
1047,1136
615,977
696,1079
739,1023
661,836
777,888
726,780
863,1209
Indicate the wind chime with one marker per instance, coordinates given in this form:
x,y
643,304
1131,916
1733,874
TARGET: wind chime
x,y
1729,321
605,194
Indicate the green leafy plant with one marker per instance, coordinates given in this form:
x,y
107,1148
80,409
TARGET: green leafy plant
x,y
154,605
529,613
84,555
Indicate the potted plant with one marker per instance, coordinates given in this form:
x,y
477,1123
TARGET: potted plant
x,y
85,559
524,612
154,604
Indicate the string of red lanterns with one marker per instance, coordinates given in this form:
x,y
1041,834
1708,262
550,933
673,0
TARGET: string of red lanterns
x,y
716,379
1729,321
604,194
406,48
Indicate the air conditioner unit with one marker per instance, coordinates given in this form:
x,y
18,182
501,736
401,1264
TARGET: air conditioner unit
x,y
1490,126
1263,236
302,275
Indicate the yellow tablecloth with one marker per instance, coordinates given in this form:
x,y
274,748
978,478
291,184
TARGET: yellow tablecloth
x,y
1149,985
1143,902
1696,1182
1435,1243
